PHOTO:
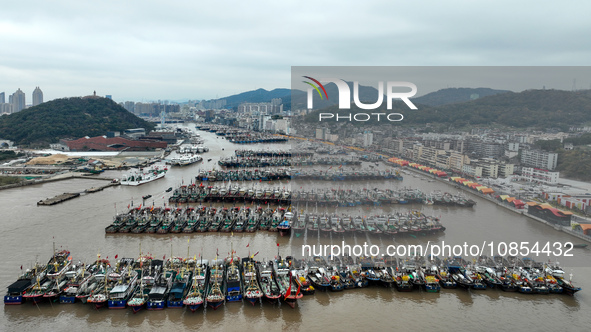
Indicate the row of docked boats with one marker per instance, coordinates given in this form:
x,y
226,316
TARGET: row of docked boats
x,y
272,153
291,174
229,193
200,219
235,193
246,219
176,282
235,162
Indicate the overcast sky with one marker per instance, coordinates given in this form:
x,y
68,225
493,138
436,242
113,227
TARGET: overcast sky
x,y
149,50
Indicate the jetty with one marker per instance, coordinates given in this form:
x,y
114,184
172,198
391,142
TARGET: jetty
x,y
67,196
58,199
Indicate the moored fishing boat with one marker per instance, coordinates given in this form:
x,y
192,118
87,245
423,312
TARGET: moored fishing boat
x,y
252,292
234,286
149,269
286,286
58,264
15,291
196,295
76,277
284,227
299,276
160,290
267,282
180,287
215,291
125,287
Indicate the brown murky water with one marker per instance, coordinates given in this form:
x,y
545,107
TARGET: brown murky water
x,y
78,225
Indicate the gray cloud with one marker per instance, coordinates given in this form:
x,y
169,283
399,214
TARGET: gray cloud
x,y
171,49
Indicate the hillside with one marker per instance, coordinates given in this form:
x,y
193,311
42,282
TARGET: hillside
x,y
532,108
256,96
455,95
67,118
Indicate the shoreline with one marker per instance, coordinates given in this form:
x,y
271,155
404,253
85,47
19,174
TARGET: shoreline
x,y
490,199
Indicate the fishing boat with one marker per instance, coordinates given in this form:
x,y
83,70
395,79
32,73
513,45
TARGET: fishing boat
x,y
150,269
299,277
252,292
299,226
313,226
14,294
55,289
234,285
142,176
317,273
215,290
284,227
196,295
99,294
180,287
58,264
125,287
160,290
267,282
286,286
76,277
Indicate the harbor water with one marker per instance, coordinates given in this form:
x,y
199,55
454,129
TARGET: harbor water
x,y
78,225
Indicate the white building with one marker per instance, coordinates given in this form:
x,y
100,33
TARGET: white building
x,y
539,159
367,139
539,175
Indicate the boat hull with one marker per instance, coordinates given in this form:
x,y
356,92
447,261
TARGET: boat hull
x,y
136,308
155,305
253,300
215,305
13,299
174,304
117,304
67,299
234,298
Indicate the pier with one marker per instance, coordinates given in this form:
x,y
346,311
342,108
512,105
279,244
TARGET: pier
x,y
67,196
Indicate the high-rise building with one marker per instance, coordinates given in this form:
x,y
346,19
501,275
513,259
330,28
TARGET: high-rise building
x,y
367,138
37,96
2,98
17,100
539,159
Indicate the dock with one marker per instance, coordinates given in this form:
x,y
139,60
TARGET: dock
x,y
58,199
67,196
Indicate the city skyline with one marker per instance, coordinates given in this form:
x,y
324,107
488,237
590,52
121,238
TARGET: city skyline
x,y
189,51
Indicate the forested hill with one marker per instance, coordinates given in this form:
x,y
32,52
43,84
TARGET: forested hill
x,y
67,118
532,108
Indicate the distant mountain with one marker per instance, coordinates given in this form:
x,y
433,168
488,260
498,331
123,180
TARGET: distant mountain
x,y
68,118
256,96
532,108
455,95
367,94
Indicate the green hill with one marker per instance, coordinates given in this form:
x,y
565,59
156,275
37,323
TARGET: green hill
x,y
256,96
532,108
455,95
67,118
